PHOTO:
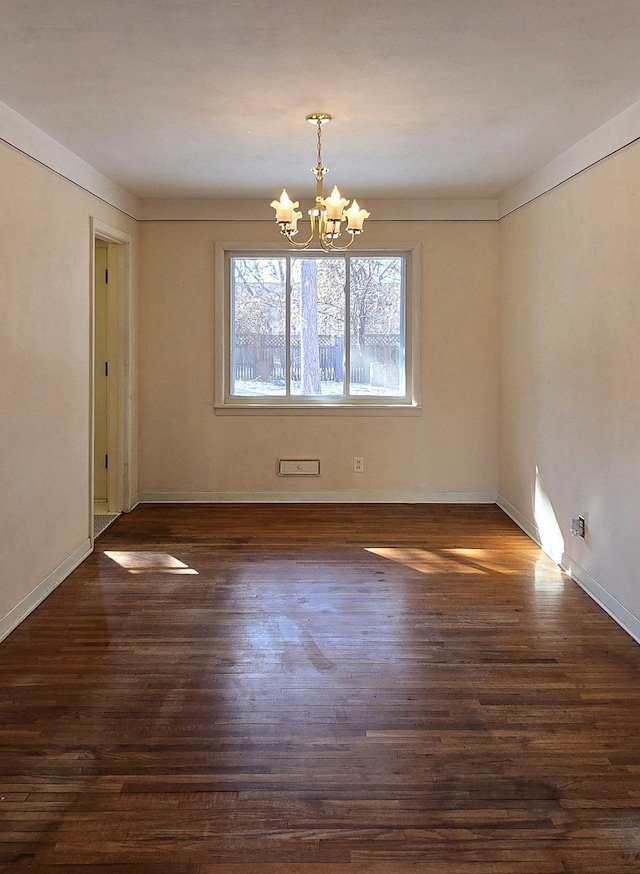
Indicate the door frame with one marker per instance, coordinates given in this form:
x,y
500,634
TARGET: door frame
x,y
120,356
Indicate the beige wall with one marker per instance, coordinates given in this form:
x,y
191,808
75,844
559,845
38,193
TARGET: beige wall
x,y
449,451
570,373
45,375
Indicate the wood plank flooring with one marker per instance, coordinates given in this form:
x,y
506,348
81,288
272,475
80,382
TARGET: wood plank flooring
x,y
313,689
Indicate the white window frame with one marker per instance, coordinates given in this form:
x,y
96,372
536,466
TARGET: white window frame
x,y
225,402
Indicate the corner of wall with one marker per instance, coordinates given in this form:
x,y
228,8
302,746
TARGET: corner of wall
x,y
17,614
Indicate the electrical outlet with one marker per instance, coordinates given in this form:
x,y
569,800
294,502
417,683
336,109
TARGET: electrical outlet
x,y
358,464
578,526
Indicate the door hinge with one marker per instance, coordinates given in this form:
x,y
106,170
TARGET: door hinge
x,y
106,462
106,368
106,276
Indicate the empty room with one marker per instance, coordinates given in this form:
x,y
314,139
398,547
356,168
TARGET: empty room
x,y
320,442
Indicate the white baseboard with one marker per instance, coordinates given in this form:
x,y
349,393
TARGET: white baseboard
x,y
350,497
133,502
618,612
528,526
625,618
16,615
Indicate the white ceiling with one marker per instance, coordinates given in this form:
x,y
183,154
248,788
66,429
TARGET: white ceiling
x,y
430,98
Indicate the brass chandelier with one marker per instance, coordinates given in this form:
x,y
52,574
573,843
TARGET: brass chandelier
x,y
327,215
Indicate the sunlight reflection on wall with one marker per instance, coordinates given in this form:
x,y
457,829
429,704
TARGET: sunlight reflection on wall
x,y
551,538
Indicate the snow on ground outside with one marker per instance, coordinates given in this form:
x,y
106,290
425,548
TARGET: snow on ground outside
x,y
262,388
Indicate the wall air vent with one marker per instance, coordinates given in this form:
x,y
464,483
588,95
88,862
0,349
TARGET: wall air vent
x,y
299,467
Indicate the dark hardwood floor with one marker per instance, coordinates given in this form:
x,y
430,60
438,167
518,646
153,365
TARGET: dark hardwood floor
x,y
319,689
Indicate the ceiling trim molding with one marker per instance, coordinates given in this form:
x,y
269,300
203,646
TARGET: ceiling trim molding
x,y
244,210
20,134
621,131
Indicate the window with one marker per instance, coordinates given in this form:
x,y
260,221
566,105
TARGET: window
x,y
309,329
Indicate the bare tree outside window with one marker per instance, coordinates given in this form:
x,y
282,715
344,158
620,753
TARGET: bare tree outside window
x,y
309,354
259,325
317,326
375,321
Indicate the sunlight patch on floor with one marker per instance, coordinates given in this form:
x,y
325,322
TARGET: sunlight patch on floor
x,y
144,562
426,561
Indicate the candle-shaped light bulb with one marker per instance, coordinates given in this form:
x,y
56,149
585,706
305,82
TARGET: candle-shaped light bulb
x,y
284,207
355,218
335,205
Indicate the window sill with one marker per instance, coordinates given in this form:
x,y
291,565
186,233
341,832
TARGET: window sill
x,y
317,410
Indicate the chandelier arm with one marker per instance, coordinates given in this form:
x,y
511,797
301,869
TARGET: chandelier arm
x,y
299,245
332,247
304,245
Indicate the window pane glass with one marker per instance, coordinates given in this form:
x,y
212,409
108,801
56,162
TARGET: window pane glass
x,y
376,327
258,329
317,327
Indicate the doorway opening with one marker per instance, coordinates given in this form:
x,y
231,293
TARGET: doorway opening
x,y
109,409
